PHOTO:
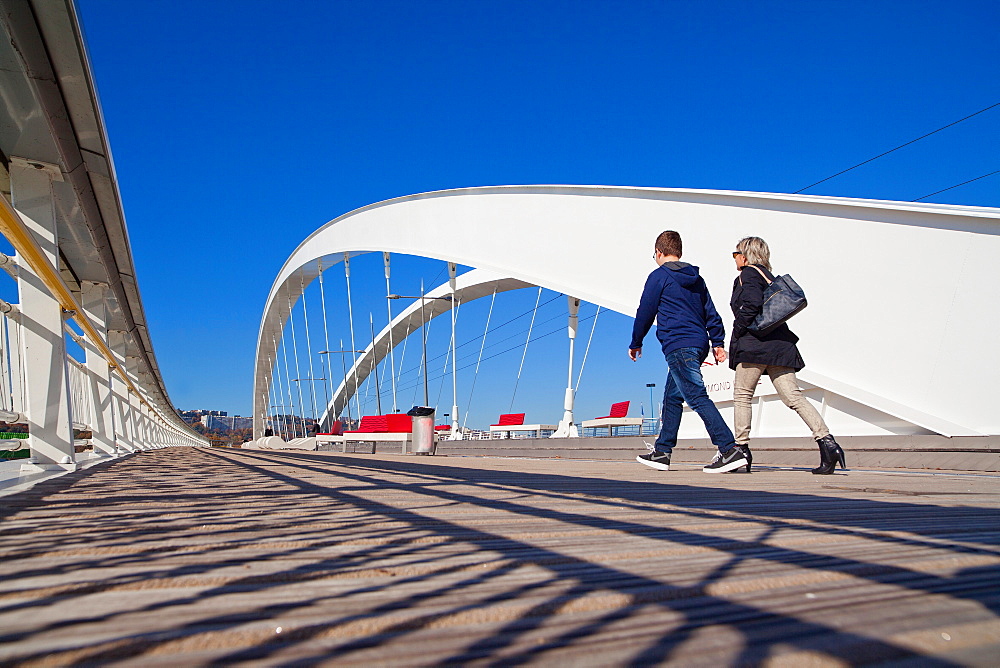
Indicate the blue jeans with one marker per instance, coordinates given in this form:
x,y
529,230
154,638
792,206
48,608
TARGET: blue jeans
x,y
684,383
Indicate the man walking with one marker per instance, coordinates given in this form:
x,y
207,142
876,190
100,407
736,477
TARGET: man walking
x,y
677,298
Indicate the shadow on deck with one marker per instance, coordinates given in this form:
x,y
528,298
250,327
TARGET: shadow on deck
x,y
202,556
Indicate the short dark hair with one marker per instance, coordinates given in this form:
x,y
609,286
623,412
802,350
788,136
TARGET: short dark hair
x,y
669,243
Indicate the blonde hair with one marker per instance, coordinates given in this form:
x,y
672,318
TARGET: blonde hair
x,y
755,250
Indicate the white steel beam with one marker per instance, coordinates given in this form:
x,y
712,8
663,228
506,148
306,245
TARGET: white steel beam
x,y
43,344
96,307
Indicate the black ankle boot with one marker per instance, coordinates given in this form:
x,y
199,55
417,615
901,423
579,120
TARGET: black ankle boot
x,y
749,456
830,454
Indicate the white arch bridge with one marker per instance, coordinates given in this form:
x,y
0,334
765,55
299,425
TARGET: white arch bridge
x,y
902,295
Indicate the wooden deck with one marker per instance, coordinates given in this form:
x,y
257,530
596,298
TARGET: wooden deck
x,y
197,556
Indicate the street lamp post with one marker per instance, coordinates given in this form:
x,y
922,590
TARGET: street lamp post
x,y
651,412
423,330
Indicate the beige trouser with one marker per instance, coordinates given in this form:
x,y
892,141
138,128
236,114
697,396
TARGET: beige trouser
x,y
783,379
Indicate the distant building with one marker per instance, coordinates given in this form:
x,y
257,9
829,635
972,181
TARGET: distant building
x,y
203,416
225,423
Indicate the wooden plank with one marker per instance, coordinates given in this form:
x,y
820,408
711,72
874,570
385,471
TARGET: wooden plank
x,y
189,556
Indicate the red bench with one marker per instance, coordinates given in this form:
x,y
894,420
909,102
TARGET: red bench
x,y
615,419
510,422
618,410
509,419
336,429
394,423
379,428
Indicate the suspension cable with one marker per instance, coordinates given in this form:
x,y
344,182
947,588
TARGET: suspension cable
x,y
525,353
327,371
444,368
378,384
343,365
350,322
298,372
517,347
587,349
402,357
269,391
424,334
496,343
312,376
289,417
388,306
475,375
270,397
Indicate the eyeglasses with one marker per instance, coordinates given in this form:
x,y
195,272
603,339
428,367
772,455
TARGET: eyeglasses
x,y
735,253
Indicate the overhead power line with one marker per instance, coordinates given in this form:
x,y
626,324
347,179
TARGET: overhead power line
x,y
955,186
997,104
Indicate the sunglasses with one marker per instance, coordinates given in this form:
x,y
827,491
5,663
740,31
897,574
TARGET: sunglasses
x,y
735,253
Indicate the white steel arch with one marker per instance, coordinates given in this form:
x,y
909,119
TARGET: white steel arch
x,y
902,294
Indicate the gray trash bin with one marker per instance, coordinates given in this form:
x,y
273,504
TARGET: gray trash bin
x,y
423,429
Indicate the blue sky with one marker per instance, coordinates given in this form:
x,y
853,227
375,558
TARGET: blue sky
x,y
239,128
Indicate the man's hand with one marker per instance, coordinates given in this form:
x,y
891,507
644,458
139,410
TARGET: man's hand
x,y
635,353
720,355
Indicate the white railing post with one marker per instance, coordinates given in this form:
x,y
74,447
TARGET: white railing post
x,y
103,427
567,428
119,392
43,344
131,366
16,377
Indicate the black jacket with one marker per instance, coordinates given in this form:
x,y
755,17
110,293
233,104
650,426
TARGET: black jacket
x,y
777,348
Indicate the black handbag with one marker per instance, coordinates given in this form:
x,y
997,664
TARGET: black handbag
x,y
783,298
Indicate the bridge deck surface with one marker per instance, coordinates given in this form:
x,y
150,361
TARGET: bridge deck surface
x,y
191,556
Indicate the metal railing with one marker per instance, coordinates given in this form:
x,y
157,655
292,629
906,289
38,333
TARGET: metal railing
x,y
100,403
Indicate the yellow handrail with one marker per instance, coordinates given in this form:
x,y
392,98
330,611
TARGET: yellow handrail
x,y
18,234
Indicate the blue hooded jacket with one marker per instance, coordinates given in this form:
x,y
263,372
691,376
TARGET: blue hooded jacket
x,y
677,297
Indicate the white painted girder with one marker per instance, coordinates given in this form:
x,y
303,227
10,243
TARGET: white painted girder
x,y
902,295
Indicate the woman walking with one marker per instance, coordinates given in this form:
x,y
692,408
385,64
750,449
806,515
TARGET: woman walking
x,y
774,354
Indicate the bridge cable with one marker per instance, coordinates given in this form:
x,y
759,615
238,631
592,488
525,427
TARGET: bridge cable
x,y
587,350
475,375
283,420
268,387
312,376
525,353
298,371
327,371
518,317
518,346
455,306
424,334
350,320
343,366
269,381
955,186
997,104
388,306
402,357
288,385
378,385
